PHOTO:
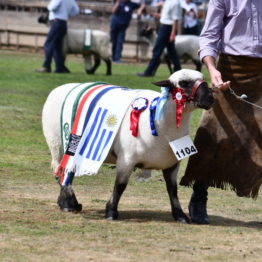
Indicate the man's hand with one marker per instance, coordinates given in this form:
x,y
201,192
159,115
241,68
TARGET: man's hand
x,y
172,37
215,75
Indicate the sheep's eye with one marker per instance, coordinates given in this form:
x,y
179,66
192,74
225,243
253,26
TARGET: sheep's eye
x,y
184,84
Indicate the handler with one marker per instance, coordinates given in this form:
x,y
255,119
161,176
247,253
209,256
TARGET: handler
x,y
120,20
59,11
229,138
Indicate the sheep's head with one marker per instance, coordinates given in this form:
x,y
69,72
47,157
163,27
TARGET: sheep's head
x,y
146,31
190,83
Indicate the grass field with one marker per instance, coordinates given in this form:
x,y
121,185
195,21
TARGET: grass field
x,y
32,228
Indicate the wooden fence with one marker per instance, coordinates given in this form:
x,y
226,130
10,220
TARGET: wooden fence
x,y
19,27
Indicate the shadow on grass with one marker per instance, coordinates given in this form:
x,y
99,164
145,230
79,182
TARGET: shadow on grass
x,y
159,216
131,216
225,221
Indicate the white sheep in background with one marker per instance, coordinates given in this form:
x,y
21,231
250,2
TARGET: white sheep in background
x,y
186,47
144,151
100,48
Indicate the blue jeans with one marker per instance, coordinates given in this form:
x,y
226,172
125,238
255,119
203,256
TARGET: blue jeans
x,y
162,42
117,34
54,45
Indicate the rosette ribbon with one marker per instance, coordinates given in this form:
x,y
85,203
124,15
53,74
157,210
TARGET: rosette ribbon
x,y
161,102
139,105
153,106
179,98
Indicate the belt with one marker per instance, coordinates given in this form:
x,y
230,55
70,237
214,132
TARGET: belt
x,y
56,19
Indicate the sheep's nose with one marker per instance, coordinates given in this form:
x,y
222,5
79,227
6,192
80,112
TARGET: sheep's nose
x,y
211,98
207,102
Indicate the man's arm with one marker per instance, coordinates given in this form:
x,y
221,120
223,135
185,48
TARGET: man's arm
x,y
53,5
173,31
209,39
115,7
212,30
75,9
215,75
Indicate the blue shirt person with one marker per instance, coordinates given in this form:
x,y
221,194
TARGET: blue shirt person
x,y
59,11
122,15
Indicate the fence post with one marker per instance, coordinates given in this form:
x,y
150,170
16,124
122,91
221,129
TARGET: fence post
x,y
17,40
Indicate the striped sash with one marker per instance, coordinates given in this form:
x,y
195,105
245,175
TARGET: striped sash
x,y
100,110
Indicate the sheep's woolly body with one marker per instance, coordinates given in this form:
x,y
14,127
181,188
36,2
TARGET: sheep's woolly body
x,y
128,152
146,150
186,46
51,122
74,42
183,74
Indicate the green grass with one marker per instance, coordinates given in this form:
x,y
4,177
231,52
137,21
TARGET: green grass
x,y
33,229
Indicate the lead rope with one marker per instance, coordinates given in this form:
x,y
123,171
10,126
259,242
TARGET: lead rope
x,y
242,97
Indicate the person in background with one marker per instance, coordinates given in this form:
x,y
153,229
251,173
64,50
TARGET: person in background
x,y
170,15
190,18
141,10
229,139
122,15
59,11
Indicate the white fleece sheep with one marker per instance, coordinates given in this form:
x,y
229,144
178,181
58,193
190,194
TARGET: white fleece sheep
x,y
128,152
100,48
187,46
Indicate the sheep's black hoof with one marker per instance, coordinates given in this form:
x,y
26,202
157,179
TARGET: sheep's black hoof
x,y
67,200
181,217
90,72
184,220
111,214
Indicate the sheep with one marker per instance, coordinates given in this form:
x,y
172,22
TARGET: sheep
x,y
186,47
145,151
100,48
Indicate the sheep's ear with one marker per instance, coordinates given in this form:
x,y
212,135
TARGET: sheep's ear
x,y
164,83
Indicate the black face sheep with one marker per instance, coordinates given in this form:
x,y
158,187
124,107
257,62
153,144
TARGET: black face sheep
x,y
94,45
131,128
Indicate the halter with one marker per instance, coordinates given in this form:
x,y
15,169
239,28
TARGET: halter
x,y
187,97
180,98
195,87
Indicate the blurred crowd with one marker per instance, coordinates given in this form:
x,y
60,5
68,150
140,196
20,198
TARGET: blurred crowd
x,y
150,12
192,13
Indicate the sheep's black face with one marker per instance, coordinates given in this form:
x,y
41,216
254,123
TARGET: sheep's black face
x,y
204,96
199,93
146,32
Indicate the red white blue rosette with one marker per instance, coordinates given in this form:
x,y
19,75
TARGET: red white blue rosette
x,y
139,105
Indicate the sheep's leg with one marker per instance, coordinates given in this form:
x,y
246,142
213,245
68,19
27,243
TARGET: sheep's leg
x,y
108,66
88,64
121,182
67,200
170,176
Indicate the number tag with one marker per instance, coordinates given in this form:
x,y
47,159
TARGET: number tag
x,y
183,147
